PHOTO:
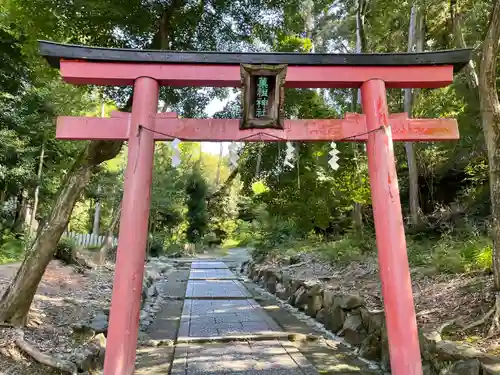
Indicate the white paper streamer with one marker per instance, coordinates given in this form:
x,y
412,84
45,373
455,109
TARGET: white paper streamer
x,y
176,153
334,158
233,154
290,155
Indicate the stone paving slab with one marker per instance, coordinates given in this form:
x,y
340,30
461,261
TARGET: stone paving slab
x,y
154,361
166,324
242,358
209,265
224,318
216,289
205,274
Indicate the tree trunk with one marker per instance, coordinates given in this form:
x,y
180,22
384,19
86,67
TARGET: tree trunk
x,y
357,212
490,119
21,211
97,217
225,187
37,191
16,300
415,44
219,165
108,240
97,205
458,36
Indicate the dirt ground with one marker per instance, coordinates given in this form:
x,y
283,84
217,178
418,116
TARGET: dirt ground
x,y
439,298
64,297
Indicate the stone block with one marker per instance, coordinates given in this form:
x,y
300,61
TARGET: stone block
x,y
282,292
491,368
353,329
314,305
270,283
371,347
334,318
301,297
314,288
328,298
321,315
296,284
470,367
350,301
451,351
373,321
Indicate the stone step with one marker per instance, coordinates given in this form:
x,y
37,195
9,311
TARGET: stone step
x,y
216,288
273,357
211,319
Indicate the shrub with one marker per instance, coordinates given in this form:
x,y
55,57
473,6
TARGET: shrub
x,y
11,248
484,258
111,254
156,247
350,247
196,191
246,233
278,232
93,248
65,250
211,239
454,253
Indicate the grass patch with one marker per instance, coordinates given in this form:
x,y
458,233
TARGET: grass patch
x,y
465,252
93,248
11,251
453,254
345,249
221,251
230,243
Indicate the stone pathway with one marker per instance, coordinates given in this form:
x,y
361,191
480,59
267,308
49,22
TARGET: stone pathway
x,y
218,309
211,325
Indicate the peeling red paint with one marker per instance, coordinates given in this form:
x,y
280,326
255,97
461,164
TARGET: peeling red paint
x,y
199,130
228,75
400,316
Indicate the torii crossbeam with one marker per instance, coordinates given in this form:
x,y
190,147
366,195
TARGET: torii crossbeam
x,y
147,70
167,126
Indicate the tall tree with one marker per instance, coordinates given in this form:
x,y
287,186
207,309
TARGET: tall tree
x,y
361,10
17,298
484,83
415,44
174,25
490,118
196,191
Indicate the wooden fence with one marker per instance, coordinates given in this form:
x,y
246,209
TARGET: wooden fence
x,y
87,240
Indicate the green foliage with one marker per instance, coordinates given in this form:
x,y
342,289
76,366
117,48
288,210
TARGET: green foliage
x,y
11,248
156,247
276,209
65,250
453,253
348,248
245,234
196,191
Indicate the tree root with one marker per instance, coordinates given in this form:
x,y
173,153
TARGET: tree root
x,y
42,358
479,321
444,325
495,324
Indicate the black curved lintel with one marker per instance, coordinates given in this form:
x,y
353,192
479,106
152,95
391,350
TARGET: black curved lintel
x,y
54,52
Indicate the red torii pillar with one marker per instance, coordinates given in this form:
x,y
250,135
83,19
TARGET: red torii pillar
x,y
144,126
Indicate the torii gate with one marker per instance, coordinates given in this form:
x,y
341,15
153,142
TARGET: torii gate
x,y
147,70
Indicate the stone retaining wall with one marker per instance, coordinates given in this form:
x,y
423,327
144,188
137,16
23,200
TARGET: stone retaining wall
x,y
346,315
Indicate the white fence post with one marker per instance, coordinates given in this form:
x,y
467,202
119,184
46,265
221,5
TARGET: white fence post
x,y
87,240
